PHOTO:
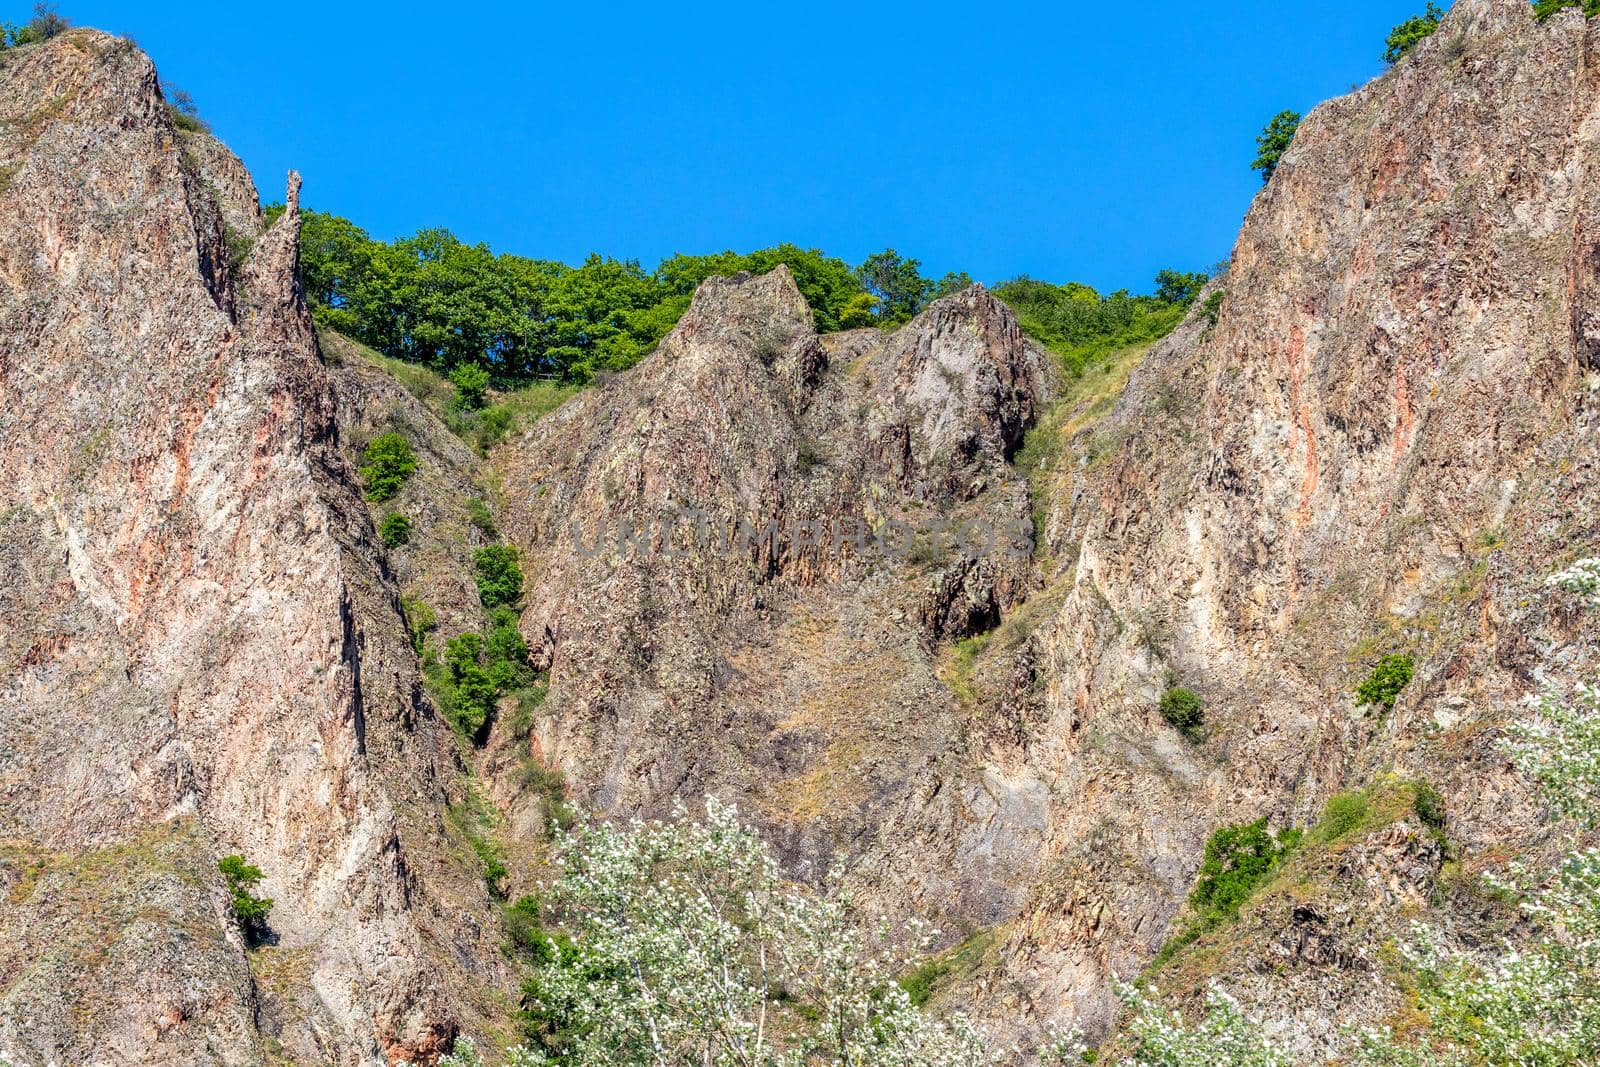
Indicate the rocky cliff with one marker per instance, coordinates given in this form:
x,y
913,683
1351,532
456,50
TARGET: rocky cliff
x,y
816,574
203,652
1378,445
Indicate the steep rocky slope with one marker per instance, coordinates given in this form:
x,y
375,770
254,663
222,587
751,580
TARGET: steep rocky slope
x,y
1381,446
745,578
203,652
1378,446
707,583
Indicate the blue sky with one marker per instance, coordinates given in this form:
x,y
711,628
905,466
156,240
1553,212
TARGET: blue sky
x,y
1066,141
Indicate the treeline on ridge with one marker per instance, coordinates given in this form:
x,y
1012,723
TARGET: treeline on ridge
x,y
435,300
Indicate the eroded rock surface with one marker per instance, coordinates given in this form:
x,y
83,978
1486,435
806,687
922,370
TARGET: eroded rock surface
x,y
202,653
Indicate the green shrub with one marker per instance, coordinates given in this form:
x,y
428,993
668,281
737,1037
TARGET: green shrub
x,y
1543,9
183,111
1410,33
499,578
45,24
523,922
1184,710
476,671
947,967
395,530
1273,142
1428,804
249,910
529,699
1343,813
420,618
1238,860
479,515
495,872
472,819
1384,684
493,425
472,386
1084,328
390,462
1212,308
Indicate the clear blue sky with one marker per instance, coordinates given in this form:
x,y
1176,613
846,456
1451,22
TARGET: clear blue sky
x,y
1067,141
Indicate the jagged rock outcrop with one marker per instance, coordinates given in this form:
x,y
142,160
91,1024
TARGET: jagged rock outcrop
x,y
202,652
749,560
767,631
1384,442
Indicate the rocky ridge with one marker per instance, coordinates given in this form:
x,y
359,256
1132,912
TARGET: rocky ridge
x,y
1379,442
204,653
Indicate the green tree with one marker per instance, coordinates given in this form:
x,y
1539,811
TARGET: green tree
x,y
499,578
1410,33
954,282
1274,142
472,385
249,910
898,284
860,310
1179,287
390,462
46,23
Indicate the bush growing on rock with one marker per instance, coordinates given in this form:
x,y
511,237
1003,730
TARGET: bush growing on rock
x,y
1543,9
1273,142
390,462
1238,860
249,910
395,530
1384,685
45,24
477,670
1184,710
499,578
1536,1003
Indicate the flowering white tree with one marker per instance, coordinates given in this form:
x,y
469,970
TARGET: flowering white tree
x,y
1223,1036
681,944
1582,578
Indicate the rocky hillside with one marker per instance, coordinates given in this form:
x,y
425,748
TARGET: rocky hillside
x,y
204,653
1382,444
909,598
1377,447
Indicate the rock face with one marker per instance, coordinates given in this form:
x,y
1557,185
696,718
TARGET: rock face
x,y
1384,442
1380,444
801,572
202,653
738,572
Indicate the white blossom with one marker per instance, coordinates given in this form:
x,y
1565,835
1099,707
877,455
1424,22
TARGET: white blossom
x,y
683,945
1582,578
